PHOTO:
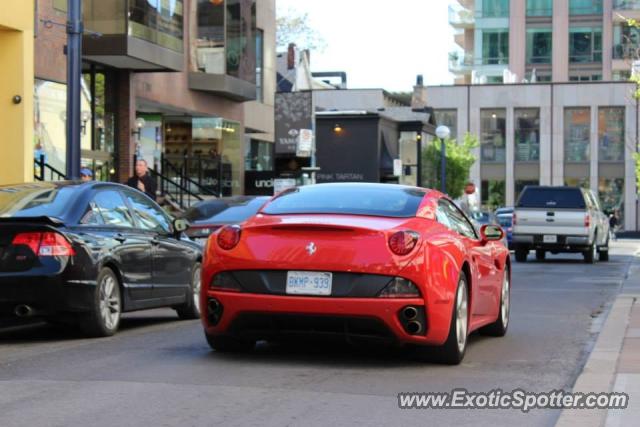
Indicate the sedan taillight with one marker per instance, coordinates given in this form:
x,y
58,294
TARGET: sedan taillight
x,y
229,237
403,242
45,244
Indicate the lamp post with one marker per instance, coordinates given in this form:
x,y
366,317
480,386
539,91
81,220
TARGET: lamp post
x,y
443,133
74,75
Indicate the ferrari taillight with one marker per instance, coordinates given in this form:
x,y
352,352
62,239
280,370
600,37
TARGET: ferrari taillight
x,y
45,244
403,242
229,237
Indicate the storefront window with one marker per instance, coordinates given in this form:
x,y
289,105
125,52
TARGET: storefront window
x,y
611,192
495,47
577,127
493,193
492,135
527,135
585,44
259,156
539,7
157,21
448,118
611,134
208,148
539,46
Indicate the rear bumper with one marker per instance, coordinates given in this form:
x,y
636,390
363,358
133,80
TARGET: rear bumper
x,y
46,295
266,316
564,243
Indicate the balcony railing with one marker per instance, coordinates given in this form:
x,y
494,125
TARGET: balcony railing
x,y
461,17
626,5
626,51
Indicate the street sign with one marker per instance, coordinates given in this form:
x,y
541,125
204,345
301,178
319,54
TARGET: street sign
x,y
305,143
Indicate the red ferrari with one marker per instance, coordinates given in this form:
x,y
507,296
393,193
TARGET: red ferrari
x,y
377,262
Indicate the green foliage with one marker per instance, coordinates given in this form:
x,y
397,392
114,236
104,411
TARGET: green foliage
x,y
293,26
636,157
459,159
635,78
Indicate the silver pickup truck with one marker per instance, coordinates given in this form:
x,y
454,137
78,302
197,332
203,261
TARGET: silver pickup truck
x,y
560,219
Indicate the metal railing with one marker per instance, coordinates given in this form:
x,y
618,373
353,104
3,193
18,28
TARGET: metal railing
x,y
626,5
41,168
461,17
175,190
626,51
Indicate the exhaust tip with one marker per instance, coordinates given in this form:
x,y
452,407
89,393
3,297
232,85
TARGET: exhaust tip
x,y
213,305
414,327
410,313
23,310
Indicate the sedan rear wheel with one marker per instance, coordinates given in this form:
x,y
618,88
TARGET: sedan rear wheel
x,y
104,320
191,308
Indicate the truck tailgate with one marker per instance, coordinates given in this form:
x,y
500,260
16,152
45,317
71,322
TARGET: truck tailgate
x,y
550,221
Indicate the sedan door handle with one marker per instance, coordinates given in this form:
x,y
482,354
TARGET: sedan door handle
x,y
155,242
120,237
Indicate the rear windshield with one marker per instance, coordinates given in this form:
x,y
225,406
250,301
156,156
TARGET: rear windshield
x,y
563,198
222,212
36,200
391,201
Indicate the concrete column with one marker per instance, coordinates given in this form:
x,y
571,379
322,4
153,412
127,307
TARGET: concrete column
x,y
557,148
630,198
545,145
510,158
517,38
593,163
560,41
607,39
475,173
16,96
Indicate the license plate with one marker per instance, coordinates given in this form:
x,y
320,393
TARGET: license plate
x,y
550,239
308,283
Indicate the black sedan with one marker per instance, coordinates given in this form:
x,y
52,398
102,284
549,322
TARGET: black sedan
x,y
87,252
207,216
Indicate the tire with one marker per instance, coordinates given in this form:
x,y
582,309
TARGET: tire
x,y
499,327
521,255
228,344
452,352
540,254
191,309
104,320
590,254
603,252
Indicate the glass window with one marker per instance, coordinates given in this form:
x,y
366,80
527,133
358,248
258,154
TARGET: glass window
x,y
113,209
520,184
621,75
210,56
494,79
92,215
577,129
240,43
35,200
625,42
448,118
577,182
527,137
611,193
585,44
578,77
105,17
539,7
492,135
375,200
495,8
457,221
227,211
259,156
493,192
585,7
611,134
259,65
495,47
149,216
158,22
539,46
556,197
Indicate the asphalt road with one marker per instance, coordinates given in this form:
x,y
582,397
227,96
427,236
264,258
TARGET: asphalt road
x,y
160,372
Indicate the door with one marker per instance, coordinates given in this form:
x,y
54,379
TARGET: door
x,y
172,260
111,221
481,256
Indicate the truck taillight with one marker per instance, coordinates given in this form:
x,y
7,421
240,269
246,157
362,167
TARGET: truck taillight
x,y
513,219
45,244
587,220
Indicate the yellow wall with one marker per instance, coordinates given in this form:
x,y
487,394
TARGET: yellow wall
x,y
16,78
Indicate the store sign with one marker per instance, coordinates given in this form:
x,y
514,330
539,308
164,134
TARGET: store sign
x,y
305,143
281,184
259,183
293,113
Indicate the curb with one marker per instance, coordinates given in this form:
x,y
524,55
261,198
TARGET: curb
x,y
599,373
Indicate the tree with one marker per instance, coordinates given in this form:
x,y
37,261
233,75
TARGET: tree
x,y
293,26
459,158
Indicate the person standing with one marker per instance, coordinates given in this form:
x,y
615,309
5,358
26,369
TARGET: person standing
x,y
86,175
142,180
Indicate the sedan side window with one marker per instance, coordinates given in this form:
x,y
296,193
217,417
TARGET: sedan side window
x,y
149,216
112,209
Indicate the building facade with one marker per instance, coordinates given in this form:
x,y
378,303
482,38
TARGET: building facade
x,y
188,85
543,40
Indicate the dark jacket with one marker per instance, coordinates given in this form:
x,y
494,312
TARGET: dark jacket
x,y
150,185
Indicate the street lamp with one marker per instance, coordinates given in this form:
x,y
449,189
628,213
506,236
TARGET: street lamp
x,y
443,133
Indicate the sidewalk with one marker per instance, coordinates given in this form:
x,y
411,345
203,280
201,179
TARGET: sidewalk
x,y
614,363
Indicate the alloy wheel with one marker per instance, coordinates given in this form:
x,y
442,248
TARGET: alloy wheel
x,y
461,316
109,302
196,288
505,299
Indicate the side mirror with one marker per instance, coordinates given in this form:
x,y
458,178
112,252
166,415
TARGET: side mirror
x,y
180,225
491,232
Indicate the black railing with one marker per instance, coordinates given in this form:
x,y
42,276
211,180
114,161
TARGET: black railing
x,y
180,194
41,168
202,174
